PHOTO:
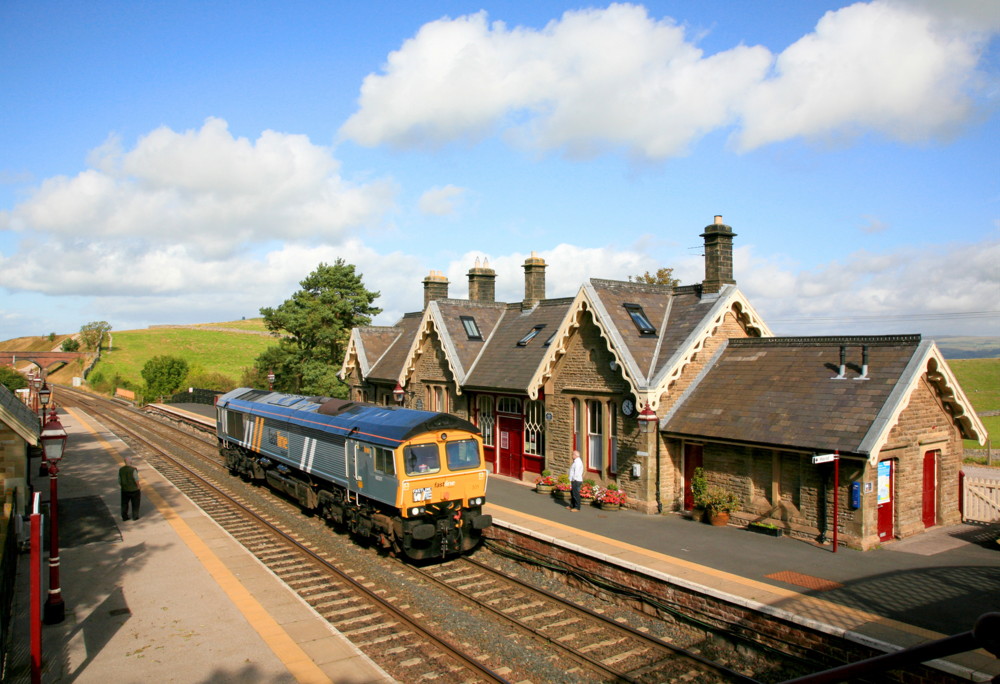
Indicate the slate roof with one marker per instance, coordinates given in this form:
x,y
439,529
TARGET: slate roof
x,y
461,350
505,365
782,391
389,363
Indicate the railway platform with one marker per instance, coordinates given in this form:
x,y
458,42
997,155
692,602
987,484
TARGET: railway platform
x,y
907,592
144,600
169,597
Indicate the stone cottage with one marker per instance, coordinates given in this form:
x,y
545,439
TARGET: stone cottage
x,y
542,377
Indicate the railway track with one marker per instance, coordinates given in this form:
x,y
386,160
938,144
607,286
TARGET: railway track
x,y
379,625
596,641
461,620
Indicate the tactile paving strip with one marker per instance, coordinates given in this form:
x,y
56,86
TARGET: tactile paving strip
x,y
807,581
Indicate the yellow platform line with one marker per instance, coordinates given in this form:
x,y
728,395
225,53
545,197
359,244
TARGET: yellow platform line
x,y
299,664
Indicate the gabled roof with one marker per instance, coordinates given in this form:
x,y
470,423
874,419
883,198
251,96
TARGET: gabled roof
x,y
444,316
366,346
388,364
507,365
683,319
18,417
786,391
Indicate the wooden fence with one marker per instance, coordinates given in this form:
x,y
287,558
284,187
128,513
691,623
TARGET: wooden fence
x,y
980,499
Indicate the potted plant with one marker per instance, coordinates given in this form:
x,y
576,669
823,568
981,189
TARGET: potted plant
x,y
563,487
587,491
611,498
699,488
546,483
719,503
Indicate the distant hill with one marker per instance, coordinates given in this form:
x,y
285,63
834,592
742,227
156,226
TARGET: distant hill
x,y
969,347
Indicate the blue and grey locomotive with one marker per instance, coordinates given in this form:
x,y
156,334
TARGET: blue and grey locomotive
x,y
414,481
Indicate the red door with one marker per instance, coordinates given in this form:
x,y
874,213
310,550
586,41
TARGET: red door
x,y
886,531
510,445
692,460
930,489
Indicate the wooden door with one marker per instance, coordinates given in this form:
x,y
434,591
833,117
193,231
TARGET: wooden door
x,y
930,489
692,460
510,446
886,530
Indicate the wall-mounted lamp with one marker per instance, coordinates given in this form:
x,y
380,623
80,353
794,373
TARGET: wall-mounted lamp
x,y
647,420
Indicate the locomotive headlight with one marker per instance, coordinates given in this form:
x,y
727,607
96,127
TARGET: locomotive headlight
x,y
416,510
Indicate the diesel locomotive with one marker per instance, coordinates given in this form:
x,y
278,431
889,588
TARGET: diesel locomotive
x,y
412,481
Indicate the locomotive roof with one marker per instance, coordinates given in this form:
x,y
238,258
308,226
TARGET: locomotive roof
x,y
385,425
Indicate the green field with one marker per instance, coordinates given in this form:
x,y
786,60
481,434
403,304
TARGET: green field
x,y
217,348
980,380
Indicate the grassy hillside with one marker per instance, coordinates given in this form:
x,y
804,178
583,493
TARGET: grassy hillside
x,y
980,380
224,348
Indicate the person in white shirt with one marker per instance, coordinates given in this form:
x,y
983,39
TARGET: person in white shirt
x,y
575,481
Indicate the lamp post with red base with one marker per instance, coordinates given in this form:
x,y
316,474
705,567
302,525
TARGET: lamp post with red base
x,y
53,445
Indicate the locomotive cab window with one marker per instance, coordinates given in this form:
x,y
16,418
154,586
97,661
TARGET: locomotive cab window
x,y
384,462
462,454
422,459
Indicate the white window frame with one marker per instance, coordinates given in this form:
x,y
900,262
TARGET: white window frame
x,y
486,418
534,428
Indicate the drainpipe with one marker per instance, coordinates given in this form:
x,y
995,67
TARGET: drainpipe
x,y
659,503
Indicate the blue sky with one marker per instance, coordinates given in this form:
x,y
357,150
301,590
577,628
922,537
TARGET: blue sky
x,y
191,162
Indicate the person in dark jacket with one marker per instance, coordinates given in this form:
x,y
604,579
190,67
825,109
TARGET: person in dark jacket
x,y
128,480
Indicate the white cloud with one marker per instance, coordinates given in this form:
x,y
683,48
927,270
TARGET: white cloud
x,y
948,289
203,189
881,66
615,78
441,201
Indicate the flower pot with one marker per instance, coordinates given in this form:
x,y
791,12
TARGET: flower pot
x,y
764,529
544,488
717,518
610,506
563,494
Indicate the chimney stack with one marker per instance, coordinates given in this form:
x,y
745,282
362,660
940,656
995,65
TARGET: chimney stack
x,y
718,256
534,281
482,282
435,287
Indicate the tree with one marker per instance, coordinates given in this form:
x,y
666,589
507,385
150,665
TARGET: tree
x,y
70,345
314,325
93,334
164,375
11,379
664,276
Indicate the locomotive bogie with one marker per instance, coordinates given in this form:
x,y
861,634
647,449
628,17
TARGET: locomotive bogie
x,y
414,481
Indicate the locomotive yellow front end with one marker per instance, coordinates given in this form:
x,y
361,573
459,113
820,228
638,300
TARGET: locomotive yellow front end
x,y
442,493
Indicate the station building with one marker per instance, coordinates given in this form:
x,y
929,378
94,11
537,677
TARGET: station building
x,y
19,433
775,420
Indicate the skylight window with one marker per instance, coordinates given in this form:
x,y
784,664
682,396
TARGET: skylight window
x,y
639,318
471,329
531,334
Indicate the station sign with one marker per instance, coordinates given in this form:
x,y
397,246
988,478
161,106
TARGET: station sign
x,y
823,458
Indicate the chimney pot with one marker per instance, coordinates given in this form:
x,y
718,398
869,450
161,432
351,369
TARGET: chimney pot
x,y
718,256
482,282
534,281
435,287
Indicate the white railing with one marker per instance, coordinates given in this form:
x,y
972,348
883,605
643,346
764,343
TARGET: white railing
x,y
981,499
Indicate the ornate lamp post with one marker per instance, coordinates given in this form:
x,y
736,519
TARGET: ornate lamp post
x,y
53,445
44,395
